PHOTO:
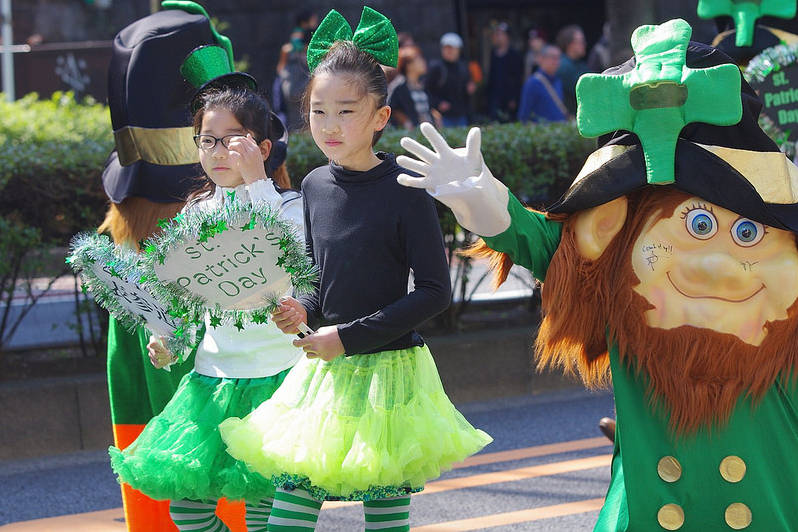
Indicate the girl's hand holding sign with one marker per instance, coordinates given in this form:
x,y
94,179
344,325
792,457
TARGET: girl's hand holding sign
x,y
324,344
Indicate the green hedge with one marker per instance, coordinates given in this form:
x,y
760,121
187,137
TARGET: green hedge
x,y
537,162
54,150
51,160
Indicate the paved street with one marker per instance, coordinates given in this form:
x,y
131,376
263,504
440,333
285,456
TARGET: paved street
x,y
547,470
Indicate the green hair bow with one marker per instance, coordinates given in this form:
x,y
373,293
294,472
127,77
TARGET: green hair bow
x,y
745,13
374,35
659,97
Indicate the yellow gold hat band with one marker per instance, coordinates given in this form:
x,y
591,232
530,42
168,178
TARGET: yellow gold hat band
x,y
773,176
170,146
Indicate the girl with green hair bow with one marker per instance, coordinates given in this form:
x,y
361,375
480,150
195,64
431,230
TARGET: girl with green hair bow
x,y
364,416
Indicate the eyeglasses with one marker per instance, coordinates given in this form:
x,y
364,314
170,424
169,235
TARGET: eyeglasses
x,y
208,142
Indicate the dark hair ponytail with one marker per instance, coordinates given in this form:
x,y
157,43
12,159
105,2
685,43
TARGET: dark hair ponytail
x,y
254,113
346,58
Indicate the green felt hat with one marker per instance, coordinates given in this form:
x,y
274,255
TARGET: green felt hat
x,y
209,66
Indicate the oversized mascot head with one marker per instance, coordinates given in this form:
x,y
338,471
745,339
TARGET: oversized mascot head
x,y
679,237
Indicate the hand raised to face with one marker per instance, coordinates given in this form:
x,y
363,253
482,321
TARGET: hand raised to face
x,y
247,157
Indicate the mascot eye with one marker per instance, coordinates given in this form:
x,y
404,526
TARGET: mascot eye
x,y
701,224
747,232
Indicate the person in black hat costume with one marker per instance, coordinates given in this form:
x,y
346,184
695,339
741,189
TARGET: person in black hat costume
x,y
147,178
179,456
669,269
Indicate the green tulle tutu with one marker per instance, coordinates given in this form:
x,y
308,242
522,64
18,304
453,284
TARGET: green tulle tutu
x,y
180,454
358,428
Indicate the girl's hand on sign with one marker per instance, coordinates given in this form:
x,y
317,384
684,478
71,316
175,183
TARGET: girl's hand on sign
x,y
160,356
289,315
324,344
247,158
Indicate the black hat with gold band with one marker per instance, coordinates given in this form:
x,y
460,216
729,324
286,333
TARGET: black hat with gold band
x,y
155,156
701,138
207,67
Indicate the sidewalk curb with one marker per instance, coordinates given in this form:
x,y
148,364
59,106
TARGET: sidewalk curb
x,y
52,416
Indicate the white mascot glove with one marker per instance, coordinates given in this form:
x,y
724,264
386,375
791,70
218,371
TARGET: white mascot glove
x,y
459,179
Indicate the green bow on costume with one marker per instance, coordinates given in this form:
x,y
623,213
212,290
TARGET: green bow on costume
x,y
374,35
745,13
659,97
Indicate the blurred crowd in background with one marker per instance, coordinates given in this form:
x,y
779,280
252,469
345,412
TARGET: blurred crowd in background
x,y
533,84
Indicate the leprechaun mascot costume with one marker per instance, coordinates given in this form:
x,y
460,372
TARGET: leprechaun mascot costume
x,y
670,267
147,178
747,38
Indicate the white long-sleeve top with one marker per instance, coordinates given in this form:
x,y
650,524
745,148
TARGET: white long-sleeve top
x,y
259,350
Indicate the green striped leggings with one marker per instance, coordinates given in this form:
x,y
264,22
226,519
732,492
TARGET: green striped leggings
x,y
297,511
200,516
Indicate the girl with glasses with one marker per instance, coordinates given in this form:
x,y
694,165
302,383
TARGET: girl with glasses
x,y
180,456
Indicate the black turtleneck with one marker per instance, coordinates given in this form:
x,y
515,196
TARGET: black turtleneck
x,y
365,232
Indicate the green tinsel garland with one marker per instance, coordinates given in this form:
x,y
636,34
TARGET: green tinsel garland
x,y
200,224
759,68
87,249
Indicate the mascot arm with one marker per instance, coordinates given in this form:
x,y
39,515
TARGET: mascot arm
x,y
530,240
459,179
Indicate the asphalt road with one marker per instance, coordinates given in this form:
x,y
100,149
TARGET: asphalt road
x,y
547,469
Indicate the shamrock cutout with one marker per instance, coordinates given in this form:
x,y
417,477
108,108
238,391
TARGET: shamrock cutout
x,y
745,13
659,97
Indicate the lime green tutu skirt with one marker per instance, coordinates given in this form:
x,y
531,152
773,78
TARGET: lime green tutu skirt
x,y
356,428
180,455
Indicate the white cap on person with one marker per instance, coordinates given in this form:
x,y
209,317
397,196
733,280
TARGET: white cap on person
x,y
451,39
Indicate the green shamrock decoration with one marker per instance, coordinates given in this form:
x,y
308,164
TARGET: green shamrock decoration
x,y
253,220
374,35
659,97
745,14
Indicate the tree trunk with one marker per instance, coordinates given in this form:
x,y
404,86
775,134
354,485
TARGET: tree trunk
x,y
625,17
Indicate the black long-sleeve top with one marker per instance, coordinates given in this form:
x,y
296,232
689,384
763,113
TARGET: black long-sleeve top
x,y
365,232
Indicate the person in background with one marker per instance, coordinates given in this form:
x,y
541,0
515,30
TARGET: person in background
x,y
504,76
292,70
571,40
535,44
598,60
449,82
405,38
541,97
407,98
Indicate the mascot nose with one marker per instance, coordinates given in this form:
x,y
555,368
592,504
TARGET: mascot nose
x,y
713,271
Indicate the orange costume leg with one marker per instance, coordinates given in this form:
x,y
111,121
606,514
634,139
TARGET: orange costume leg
x,y
143,514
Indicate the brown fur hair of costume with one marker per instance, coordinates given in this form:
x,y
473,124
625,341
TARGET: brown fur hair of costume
x,y
135,219
698,374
